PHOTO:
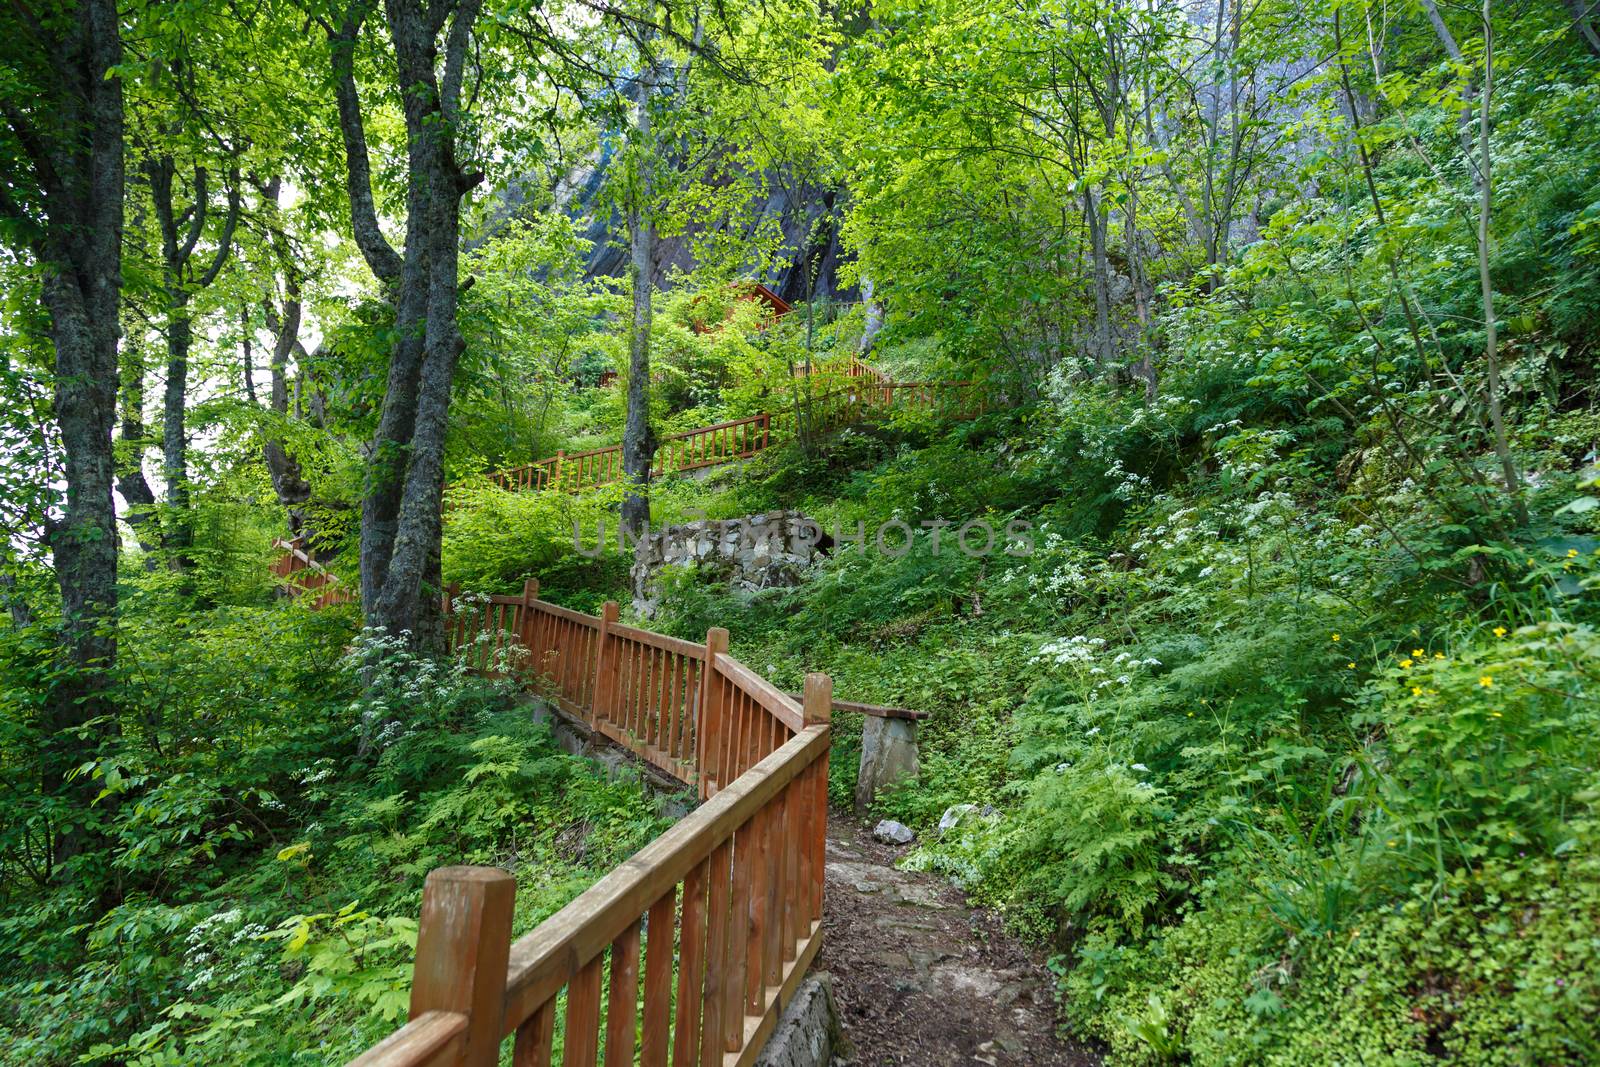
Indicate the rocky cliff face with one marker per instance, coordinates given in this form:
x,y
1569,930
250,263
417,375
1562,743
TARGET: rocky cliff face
x,y
810,215
808,218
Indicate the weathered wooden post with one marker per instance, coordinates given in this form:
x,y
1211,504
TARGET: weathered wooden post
x,y
708,725
525,635
816,707
463,945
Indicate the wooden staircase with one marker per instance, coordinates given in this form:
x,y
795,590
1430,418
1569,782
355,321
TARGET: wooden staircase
x,y
691,949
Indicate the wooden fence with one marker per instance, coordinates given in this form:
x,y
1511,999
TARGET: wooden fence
x,y
691,948
303,576
867,394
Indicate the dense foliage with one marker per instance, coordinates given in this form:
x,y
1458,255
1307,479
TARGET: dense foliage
x,y
277,792
1280,725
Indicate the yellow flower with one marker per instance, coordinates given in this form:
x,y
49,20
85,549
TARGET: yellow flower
x,y
1499,631
1336,637
1438,655
1572,553
1416,690
1494,715
1416,651
1486,681
1351,665
1405,663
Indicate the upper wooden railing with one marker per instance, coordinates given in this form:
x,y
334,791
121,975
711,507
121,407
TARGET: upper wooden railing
x,y
866,394
720,916
304,576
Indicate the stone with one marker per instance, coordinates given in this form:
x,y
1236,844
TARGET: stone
x,y
808,1033
893,833
757,552
888,756
918,895
675,807
953,815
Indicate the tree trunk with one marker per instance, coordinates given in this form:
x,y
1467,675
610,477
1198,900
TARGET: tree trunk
x,y
175,433
1491,350
405,281
873,320
180,286
401,504
1105,342
408,597
1581,11
288,480
73,142
638,438
131,481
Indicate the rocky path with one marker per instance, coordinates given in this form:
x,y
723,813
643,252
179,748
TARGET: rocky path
x,y
920,977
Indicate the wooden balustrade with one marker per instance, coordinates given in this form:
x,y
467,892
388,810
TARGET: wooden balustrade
x,y
691,948
303,576
869,393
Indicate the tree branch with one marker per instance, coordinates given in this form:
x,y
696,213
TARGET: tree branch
x,y
381,257
225,242
197,217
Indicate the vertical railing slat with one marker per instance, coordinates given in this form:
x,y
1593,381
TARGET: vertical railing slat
x,y
691,967
624,998
746,854
717,926
655,1031
580,1041
534,1038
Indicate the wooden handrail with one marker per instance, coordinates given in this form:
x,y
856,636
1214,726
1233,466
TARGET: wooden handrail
x,y
316,581
432,1038
720,916
877,711
702,447
548,958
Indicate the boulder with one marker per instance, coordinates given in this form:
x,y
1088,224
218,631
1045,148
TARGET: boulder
x,y
953,815
893,833
888,755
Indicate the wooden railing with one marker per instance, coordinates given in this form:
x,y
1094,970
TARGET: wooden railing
x,y
867,395
848,367
691,948
303,576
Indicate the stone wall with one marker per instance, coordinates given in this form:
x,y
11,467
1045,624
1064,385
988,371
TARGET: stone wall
x,y
758,551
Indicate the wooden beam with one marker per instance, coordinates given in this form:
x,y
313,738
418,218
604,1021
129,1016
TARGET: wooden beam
x,y
875,710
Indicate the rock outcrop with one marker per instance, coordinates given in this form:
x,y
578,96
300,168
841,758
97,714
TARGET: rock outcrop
x,y
756,552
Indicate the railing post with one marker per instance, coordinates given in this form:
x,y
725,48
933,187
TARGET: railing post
x,y
530,593
448,607
816,702
605,680
708,721
463,944
816,708
555,476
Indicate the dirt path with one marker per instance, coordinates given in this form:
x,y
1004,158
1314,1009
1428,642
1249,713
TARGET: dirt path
x,y
923,979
